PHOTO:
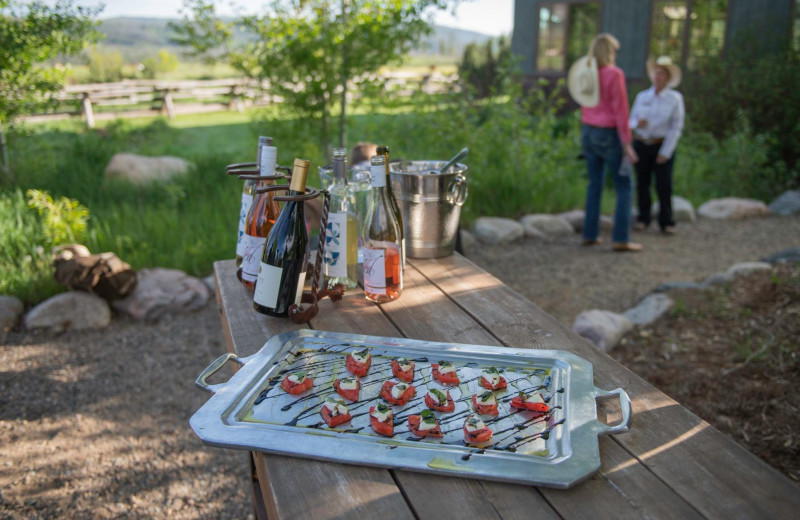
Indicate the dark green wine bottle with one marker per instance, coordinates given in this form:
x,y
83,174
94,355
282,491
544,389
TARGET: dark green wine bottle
x,y
282,272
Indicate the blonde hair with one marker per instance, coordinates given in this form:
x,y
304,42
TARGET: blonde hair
x,y
603,47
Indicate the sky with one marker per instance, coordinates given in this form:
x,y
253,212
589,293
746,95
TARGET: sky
x,y
493,17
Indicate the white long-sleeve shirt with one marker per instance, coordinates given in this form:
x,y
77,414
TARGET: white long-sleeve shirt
x,y
664,113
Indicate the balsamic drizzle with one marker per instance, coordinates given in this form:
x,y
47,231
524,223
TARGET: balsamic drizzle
x,y
324,369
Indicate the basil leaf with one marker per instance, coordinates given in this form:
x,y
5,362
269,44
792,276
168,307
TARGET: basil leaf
x,y
486,395
428,417
491,370
441,398
382,408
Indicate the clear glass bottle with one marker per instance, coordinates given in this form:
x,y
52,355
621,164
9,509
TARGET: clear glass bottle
x,y
248,192
282,271
260,219
384,150
382,240
341,235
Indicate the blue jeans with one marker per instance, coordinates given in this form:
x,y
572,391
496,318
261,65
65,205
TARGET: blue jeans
x,y
603,150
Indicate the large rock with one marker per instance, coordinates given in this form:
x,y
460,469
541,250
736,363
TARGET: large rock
x,y
142,170
576,217
163,291
603,328
11,308
682,210
745,268
788,203
496,230
651,308
681,284
790,255
70,310
732,208
547,225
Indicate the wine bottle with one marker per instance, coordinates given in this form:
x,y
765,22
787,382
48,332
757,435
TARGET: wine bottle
x,y
282,272
384,150
260,219
248,192
341,235
381,237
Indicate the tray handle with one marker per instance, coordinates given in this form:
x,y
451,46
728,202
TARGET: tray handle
x,y
213,368
625,406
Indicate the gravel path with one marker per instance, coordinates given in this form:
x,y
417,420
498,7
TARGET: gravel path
x,y
95,424
565,278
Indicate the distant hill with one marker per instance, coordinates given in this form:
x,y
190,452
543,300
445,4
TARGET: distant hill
x,y
139,38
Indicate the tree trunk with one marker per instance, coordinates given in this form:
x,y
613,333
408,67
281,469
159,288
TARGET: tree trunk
x,y
5,167
345,56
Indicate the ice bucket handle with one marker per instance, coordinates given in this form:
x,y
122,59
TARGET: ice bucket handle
x,y
457,190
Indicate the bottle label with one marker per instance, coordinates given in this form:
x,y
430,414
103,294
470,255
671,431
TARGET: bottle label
x,y
247,201
374,270
336,245
378,174
251,256
268,285
301,281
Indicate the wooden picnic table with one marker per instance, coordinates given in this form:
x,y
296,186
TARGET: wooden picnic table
x,y
671,464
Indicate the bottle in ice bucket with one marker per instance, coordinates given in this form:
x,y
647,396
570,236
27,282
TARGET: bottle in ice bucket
x,y
341,235
384,150
382,240
283,266
260,219
248,191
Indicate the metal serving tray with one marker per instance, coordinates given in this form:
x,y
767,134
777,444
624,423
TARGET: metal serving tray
x,y
557,449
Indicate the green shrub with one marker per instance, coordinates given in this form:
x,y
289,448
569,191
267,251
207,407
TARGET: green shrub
x,y
760,93
104,67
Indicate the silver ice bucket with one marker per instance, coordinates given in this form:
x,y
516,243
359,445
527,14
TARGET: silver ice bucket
x,y
430,204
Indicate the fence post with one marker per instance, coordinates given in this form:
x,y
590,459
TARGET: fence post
x,y
86,104
168,106
235,102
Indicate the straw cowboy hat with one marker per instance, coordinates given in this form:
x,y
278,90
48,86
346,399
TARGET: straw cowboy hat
x,y
666,62
583,82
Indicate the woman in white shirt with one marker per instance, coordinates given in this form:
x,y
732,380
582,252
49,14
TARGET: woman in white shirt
x,y
657,121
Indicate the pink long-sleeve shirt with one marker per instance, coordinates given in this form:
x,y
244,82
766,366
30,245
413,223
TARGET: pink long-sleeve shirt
x,y
612,110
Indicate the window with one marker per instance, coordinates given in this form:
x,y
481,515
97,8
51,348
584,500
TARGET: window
x,y
690,32
796,27
565,32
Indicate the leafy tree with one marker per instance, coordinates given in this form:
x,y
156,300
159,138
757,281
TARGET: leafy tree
x,y
104,67
311,51
31,34
161,63
485,70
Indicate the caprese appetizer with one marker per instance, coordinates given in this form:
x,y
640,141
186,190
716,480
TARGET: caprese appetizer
x,y
397,393
358,362
533,402
475,431
381,419
297,382
437,400
334,412
492,380
424,425
485,403
445,372
403,369
348,387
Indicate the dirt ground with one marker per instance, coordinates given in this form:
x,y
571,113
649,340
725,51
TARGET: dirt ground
x,y
95,424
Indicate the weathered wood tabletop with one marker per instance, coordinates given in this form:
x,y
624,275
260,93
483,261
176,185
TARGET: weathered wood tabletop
x,y
670,465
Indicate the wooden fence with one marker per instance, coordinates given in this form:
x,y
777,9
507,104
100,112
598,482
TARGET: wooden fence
x,y
138,98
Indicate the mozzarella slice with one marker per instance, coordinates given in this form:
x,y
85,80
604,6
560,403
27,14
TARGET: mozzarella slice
x,y
405,364
438,397
447,369
492,377
348,384
361,356
427,425
335,408
535,397
398,390
382,416
474,423
294,378
489,398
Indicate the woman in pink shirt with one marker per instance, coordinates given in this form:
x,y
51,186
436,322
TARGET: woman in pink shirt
x,y
605,138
